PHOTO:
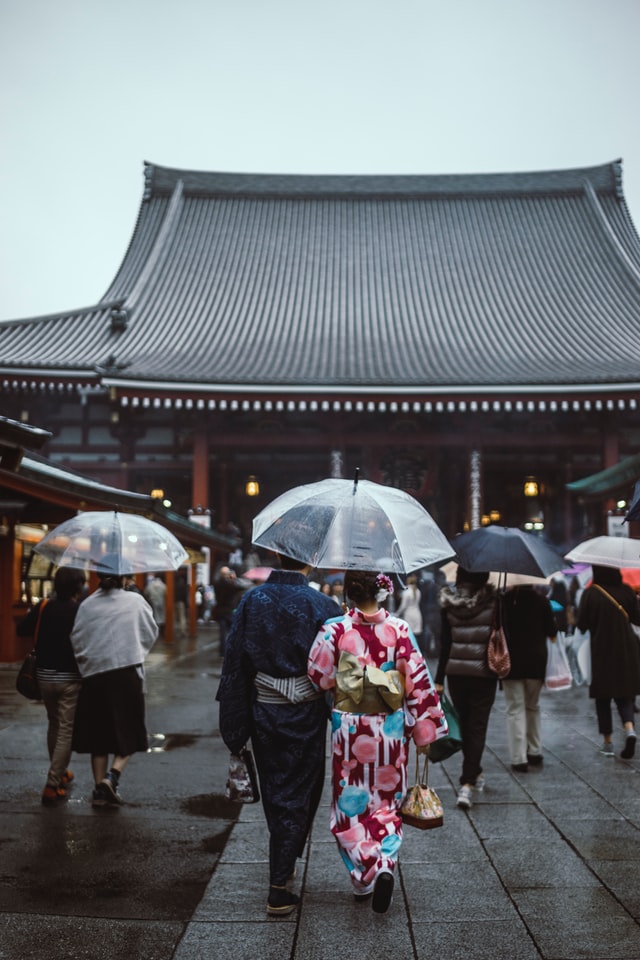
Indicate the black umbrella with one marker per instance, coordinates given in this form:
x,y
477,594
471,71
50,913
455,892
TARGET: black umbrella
x,y
506,550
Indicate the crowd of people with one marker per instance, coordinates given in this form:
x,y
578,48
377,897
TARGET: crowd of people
x,y
353,649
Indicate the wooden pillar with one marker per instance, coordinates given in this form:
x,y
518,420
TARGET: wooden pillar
x,y
12,647
610,456
193,610
200,483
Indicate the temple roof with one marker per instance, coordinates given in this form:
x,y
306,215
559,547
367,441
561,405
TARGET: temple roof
x,y
258,283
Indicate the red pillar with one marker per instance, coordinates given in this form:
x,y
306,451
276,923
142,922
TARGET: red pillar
x,y
12,647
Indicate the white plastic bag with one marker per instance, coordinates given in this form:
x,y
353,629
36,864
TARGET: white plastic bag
x,y
584,657
558,675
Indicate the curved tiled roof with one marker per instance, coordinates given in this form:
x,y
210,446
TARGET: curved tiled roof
x,y
484,281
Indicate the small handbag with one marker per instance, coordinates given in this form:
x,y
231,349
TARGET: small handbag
x,y
447,746
421,806
27,679
242,780
498,659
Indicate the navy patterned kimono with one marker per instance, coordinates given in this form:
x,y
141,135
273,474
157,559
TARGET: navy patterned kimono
x,y
272,632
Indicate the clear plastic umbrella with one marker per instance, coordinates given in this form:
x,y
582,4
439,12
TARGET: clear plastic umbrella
x,y
351,525
608,552
112,542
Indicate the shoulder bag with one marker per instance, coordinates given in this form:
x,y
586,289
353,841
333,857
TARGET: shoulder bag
x,y
27,679
498,659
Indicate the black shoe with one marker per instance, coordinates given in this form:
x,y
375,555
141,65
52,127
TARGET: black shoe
x,y
382,892
520,767
535,759
629,747
281,901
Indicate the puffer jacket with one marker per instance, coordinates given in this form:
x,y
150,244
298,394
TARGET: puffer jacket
x,y
466,624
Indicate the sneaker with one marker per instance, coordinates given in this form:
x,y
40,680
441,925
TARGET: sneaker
x,y
111,790
281,901
535,759
520,767
51,796
480,784
629,746
382,892
105,795
464,797
607,750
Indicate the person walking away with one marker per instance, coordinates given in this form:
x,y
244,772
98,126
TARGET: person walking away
x,y
468,611
265,696
528,620
383,696
607,609
155,593
409,608
112,635
58,674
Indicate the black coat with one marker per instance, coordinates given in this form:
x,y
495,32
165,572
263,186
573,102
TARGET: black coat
x,y
615,649
528,620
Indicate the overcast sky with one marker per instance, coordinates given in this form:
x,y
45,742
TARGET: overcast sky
x,y
90,90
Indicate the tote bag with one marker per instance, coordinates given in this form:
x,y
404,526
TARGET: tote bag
x,y
447,746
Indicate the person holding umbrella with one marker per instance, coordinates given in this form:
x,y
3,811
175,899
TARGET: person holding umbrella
x,y
607,609
383,696
113,632
468,613
528,620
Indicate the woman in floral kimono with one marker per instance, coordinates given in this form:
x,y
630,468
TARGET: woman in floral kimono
x,y
383,695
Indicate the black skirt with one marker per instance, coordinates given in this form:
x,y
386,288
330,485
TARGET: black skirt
x,y
110,714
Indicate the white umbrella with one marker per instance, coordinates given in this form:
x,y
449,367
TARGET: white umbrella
x,y
347,525
112,542
607,552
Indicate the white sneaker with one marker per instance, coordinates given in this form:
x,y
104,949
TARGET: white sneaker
x,y
464,797
479,784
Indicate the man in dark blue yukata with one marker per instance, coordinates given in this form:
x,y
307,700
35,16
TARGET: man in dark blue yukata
x,y
266,696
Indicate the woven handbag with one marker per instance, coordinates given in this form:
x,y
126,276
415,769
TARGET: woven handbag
x,y
498,659
421,806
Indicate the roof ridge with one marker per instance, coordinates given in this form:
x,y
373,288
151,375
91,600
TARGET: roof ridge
x,y
161,181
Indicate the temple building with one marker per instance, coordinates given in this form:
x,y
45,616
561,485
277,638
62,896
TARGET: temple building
x,y
472,339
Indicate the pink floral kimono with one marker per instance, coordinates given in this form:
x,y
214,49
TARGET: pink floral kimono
x,y
383,695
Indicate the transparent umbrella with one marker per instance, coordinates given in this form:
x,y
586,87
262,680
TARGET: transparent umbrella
x,y
607,552
351,525
112,542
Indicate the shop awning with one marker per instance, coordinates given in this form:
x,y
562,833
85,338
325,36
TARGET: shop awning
x,y
614,478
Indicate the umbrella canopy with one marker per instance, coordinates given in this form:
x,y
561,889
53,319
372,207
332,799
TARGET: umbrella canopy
x,y
607,552
347,525
506,550
112,542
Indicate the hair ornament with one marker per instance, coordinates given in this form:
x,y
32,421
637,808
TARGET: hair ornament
x,y
384,587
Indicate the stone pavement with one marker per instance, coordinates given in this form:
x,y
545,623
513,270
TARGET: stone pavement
x,y
546,864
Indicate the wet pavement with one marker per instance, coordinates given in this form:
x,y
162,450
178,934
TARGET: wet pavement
x,y
545,866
